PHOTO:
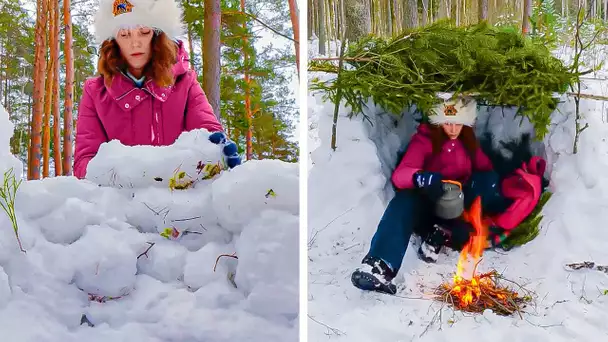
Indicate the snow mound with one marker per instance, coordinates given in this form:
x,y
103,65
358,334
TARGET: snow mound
x,y
267,272
270,188
125,258
190,151
344,212
7,160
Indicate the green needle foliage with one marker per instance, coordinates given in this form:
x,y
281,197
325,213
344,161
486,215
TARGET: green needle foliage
x,y
529,228
8,192
499,65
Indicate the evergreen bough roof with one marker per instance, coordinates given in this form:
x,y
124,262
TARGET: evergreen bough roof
x,y
498,66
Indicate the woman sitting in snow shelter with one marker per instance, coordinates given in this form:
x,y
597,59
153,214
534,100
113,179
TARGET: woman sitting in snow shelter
x,y
430,200
146,94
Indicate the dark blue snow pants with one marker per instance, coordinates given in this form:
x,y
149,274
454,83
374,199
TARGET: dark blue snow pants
x,y
411,212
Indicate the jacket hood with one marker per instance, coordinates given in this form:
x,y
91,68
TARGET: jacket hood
x,y
424,129
182,64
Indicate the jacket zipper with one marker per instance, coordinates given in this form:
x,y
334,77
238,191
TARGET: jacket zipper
x,y
156,124
157,127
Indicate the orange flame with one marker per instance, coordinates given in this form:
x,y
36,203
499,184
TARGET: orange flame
x,y
478,241
476,245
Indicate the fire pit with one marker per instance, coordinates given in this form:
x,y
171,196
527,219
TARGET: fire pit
x,y
477,292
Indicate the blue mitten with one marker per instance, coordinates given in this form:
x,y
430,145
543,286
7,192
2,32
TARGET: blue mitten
x,y
231,154
431,183
230,149
218,138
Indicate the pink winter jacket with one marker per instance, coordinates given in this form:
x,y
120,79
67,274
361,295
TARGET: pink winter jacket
x,y
453,162
148,116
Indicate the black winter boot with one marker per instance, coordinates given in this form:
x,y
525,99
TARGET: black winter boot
x,y
374,275
431,246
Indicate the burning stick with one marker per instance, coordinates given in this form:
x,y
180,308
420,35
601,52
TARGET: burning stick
x,y
479,292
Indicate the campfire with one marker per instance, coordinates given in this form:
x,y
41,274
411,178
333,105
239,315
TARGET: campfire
x,y
473,292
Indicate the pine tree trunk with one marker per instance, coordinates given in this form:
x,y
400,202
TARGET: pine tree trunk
x,y
248,136
310,19
68,122
327,23
483,10
425,12
56,116
395,16
358,19
39,84
321,24
191,47
293,11
48,95
525,28
412,14
211,46
1,68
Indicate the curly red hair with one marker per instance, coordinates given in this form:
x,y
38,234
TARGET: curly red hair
x,y
467,137
159,68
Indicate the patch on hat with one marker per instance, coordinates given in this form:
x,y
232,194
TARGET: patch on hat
x,y
450,110
121,7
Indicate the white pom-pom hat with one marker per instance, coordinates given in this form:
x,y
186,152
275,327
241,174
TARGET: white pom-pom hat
x,y
460,110
160,15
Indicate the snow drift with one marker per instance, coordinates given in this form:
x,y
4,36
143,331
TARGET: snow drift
x,y
99,265
349,190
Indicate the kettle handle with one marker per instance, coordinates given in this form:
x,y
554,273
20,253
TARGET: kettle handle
x,y
454,182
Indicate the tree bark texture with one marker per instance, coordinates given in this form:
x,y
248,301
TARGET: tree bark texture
x,y
211,56
293,11
39,84
358,19
56,116
68,122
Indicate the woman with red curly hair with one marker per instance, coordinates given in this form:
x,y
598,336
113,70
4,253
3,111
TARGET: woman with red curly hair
x,y
145,93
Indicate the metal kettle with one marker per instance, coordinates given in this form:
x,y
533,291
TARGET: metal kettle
x,y
451,204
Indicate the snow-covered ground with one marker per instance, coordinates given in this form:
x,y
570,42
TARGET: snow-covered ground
x,y
348,192
85,243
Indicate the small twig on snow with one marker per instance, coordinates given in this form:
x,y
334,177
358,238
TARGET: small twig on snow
x,y
335,331
544,326
186,219
435,316
147,249
224,255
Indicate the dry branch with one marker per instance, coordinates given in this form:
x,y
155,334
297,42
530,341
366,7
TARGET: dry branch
x,y
483,292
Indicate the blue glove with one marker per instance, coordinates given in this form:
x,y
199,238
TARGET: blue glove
x,y
218,138
231,154
230,149
431,183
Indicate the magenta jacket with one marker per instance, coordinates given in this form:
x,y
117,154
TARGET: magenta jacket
x,y
148,116
452,163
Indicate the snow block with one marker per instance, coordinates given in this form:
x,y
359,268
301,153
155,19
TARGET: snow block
x,y
53,192
260,185
66,224
106,263
165,261
217,295
5,288
7,160
136,167
268,263
199,265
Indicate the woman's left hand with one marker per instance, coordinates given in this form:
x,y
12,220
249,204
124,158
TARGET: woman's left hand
x,y
229,149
